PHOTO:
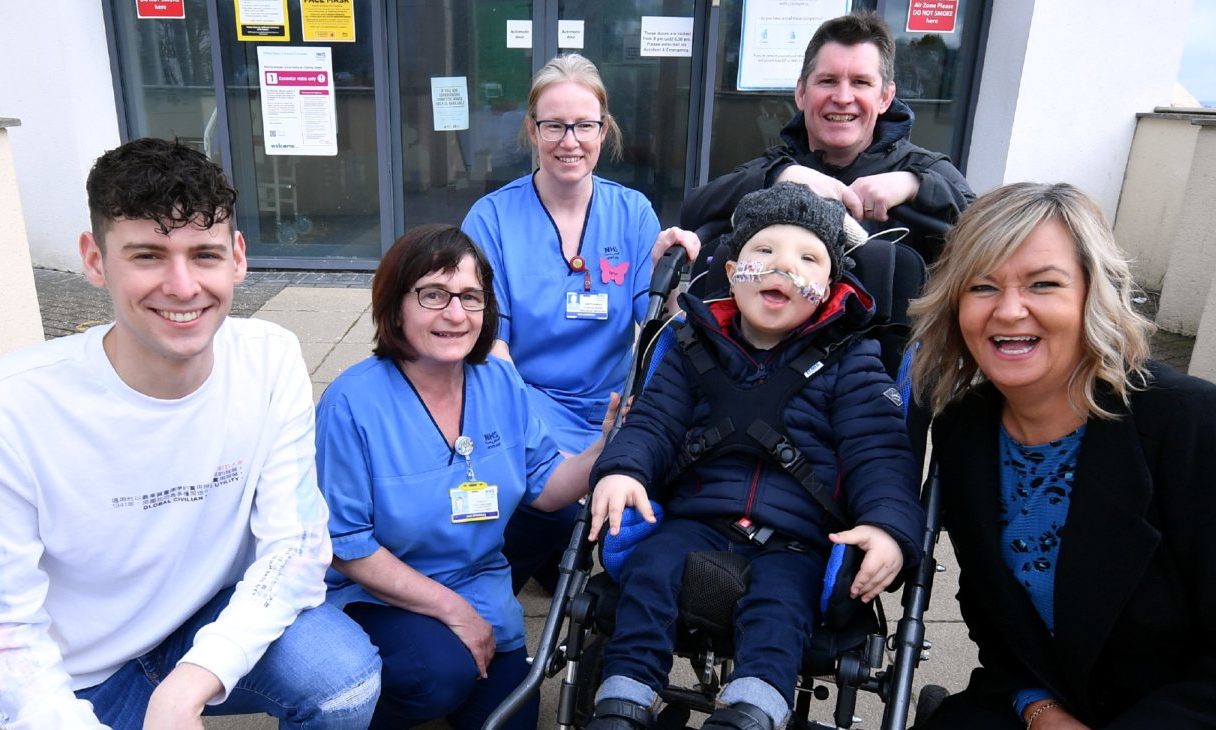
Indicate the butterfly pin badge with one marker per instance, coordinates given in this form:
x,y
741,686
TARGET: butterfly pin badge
x,y
613,274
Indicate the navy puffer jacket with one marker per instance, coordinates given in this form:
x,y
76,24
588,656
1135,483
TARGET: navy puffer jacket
x,y
843,420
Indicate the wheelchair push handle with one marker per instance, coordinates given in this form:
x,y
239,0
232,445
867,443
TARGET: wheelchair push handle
x,y
667,270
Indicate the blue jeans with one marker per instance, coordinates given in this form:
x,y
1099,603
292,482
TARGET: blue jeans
x,y
773,620
429,673
321,674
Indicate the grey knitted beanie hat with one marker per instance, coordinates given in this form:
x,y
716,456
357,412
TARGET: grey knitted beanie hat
x,y
793,204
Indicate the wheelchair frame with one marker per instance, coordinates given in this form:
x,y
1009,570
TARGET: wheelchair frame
x,y
859,668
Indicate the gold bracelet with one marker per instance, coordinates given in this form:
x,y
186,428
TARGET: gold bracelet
x,y
1039,711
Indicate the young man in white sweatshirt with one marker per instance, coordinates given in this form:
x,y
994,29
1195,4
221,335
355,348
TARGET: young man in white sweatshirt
x,y
164,542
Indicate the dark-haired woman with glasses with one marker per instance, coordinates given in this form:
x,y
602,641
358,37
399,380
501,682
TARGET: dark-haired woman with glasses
x,y
424,450
572,255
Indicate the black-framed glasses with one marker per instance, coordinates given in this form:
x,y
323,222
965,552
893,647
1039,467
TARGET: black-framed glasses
x,y
436,297
551,130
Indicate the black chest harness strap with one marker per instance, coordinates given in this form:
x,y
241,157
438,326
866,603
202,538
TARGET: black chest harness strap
x,y
761,406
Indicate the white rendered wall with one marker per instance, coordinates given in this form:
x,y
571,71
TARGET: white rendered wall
x,y
55,78
20,321
1065,109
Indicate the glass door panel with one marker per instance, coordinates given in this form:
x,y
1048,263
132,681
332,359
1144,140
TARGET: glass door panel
x,y
302,206
445,172
648,95
167,81
933,74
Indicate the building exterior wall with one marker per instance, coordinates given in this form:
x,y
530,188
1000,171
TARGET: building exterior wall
x,y
20,322
1151,201
57,81
1062,83
1066,109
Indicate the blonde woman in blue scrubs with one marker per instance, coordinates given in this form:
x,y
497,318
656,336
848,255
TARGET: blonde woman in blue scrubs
x,y
572,257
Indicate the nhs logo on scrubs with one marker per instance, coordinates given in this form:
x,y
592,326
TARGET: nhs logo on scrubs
x,y
492,440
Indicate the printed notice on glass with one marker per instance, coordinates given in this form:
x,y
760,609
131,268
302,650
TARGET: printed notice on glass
x,y
932,16
262,20
569,34
175,9
774,38
666,36
519,34
328,21
298,115
450,103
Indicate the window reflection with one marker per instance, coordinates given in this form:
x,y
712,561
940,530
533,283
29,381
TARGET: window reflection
x,y
295,206
928,77
648,95
444,172
168,86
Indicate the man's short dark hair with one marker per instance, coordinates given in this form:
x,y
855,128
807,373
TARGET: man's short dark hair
x,y
158,180
850,30
421,251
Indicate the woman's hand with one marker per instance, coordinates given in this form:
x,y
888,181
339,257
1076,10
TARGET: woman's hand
x,y
614,405
474,632
881,564
611,496
388,578
675,236
1054,717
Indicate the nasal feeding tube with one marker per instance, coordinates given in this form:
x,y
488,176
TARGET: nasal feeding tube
x,y
751,271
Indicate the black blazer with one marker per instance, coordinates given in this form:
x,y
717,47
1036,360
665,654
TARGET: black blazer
x,y
1135,582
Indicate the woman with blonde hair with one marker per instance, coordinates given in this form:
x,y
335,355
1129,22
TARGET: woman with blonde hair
x,y
1076,476
571,254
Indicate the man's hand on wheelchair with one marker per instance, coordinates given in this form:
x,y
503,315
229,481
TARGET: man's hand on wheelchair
x,y
825,186
610,497
882,192
881,564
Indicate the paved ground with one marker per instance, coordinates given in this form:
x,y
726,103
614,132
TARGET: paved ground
x,y
330,314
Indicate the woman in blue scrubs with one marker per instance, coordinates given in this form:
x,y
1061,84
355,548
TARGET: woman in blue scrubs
x,y
572,257
424,450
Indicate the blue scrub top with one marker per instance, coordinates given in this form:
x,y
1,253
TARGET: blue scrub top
x,y
385,470
573,365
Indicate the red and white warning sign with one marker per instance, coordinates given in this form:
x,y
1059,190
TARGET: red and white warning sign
x,y
160,8
932,16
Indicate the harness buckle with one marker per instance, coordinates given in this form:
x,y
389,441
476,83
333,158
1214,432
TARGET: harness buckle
x,y
751,531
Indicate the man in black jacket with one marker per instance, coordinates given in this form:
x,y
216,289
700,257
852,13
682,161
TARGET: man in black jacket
x,y
848,141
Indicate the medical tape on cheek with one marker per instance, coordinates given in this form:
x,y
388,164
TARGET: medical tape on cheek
x,y
812,291
748,271
751,272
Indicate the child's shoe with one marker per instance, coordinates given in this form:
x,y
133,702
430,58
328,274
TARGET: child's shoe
x,y
614,714
739,716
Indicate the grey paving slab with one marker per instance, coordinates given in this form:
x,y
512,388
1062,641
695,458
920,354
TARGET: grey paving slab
x,y
308,299
312,326
364,330
342,356
315,353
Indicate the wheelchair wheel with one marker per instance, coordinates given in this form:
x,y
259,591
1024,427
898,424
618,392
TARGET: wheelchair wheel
x,y
929,699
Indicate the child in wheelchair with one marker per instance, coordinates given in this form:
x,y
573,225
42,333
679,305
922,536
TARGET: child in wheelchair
x,y
771,424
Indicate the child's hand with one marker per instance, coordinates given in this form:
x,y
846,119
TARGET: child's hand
x,y
881,564
611,496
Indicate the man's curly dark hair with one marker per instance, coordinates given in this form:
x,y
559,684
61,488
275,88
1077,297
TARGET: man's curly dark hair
x,y
158,180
